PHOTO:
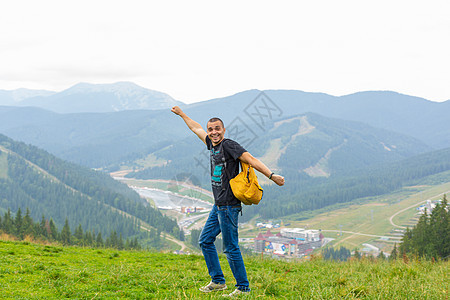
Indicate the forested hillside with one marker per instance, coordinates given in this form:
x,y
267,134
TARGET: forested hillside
x,y
32,178
23,227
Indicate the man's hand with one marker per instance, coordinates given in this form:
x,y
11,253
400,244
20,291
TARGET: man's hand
x,y
278,179
261,167
176,110
194,126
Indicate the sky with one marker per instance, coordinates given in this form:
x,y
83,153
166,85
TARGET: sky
x,y
200,50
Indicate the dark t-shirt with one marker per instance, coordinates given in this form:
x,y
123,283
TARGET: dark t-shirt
x,y
224,166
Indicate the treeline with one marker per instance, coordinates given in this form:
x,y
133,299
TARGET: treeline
x,y
430,237
83,196
344,254
341,254
46,230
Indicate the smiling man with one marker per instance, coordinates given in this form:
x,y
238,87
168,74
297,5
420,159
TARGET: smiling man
x,y
225,156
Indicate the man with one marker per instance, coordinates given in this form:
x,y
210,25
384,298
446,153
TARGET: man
x,y
223,218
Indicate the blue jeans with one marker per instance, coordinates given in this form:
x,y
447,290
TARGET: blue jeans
x,y
224,219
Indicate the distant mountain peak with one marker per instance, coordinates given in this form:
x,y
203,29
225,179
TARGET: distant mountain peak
x,y
88,97
18,95
118,88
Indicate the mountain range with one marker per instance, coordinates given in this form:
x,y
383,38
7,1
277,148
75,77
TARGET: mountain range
x,y
85,97
414,116
101,139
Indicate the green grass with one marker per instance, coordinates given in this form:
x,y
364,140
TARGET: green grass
x,y
52,272
150,161
3,165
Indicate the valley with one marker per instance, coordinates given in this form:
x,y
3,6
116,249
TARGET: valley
x,y
376,221
356,166
187,203
373,221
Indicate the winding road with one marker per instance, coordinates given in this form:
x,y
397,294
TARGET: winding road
x,y
409,207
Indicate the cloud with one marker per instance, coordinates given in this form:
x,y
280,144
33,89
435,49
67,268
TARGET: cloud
x,y
205,49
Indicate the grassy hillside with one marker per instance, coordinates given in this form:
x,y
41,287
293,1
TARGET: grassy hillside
x,y
52,272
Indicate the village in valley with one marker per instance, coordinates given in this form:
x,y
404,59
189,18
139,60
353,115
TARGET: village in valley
x,y
278,241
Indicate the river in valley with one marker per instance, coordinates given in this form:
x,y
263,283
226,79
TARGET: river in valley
x,y
169,200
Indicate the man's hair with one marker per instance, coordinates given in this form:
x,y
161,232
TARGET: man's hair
x,y
215,119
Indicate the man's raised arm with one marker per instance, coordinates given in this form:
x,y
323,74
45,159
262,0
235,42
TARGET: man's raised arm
x,y
194,126
262,168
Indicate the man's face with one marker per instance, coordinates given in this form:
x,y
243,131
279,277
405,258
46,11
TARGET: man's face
x,y
215,131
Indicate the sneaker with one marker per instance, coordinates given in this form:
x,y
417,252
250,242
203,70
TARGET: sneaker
x,y
213,287
235,293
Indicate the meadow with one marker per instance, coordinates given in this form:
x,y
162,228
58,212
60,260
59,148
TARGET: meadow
x,y
34,271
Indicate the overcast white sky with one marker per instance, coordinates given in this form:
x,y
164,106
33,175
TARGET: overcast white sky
x,y
199,50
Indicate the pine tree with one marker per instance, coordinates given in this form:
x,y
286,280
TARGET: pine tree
x,y
66,234
394,253
8,223
79,235
99,240
195,235
53,230
120,244
439,223
421,236
113,240
88,238
43,227
27,225
406,245
381,255
18,224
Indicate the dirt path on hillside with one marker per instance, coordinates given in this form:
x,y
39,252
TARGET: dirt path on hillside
x,y
180,243
320,169
391,219
276,149
359,233
304,128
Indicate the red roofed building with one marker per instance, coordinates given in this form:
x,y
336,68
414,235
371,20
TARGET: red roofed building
x,y
284,246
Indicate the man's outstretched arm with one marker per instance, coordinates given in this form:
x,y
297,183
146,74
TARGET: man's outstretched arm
x,y
261,167
193,126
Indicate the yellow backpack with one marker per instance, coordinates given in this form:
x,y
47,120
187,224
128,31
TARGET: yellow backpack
x,y
245,186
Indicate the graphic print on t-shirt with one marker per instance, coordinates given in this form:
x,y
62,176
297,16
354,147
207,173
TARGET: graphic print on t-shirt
x,y
217,167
